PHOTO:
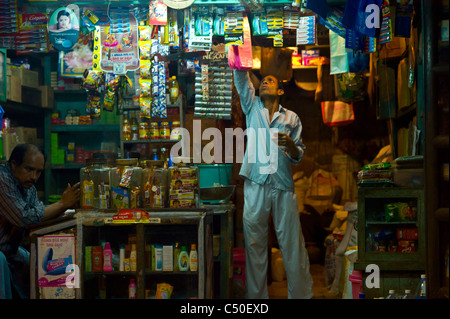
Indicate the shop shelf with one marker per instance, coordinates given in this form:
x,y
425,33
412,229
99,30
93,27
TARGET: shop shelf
x,y
86,128
155,141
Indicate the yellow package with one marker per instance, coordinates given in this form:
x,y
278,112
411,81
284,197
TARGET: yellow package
x,y
164,291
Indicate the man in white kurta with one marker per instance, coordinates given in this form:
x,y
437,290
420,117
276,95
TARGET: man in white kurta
x,y
273,144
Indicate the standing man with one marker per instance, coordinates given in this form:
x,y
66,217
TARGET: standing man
x,y
19,208
269,186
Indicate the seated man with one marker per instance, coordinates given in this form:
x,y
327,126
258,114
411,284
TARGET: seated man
x,y
19,208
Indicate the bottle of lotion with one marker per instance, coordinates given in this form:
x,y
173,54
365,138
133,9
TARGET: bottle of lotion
x,y
183,259
107,258
193,259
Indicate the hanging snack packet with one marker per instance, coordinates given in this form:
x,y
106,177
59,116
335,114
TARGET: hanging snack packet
x,y
386,24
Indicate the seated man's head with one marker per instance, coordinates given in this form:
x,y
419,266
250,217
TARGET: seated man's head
x,y
27,163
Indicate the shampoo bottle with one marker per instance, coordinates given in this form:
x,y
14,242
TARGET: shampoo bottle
x,y
193,258
107,258
183,259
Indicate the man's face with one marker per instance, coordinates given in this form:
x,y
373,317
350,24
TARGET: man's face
x,y
269,87
29,171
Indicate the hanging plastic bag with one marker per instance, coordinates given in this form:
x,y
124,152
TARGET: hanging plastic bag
x,y
350,87
338,54
240,57
337,113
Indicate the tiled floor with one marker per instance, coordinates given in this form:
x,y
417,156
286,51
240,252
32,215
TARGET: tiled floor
x,y
278,289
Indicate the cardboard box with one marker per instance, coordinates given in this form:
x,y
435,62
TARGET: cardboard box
x,y
27,77
31,96
16,89
26,134
47,97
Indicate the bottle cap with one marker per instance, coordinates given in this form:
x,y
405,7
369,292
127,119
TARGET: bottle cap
x,y
133,246
193,247
107,246
423,276
183,248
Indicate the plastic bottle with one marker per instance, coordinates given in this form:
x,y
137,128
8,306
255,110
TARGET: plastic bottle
x,y
134,127
193,258
132,289
183,259
107,258
133,257
391,294
421,291
174,89
122,257
155,154
176,254
126,128
408,294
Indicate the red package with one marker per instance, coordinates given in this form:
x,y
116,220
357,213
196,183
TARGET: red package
x,y
407,234
406,246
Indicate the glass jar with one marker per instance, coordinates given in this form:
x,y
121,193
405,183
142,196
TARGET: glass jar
x,y
126,184
164,131
94,180
154,185
143,130
175,133
154,130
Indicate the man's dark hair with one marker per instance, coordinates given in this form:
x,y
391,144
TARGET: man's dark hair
x,y
19,152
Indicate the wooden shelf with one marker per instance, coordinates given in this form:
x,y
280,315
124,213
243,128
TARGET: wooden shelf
x,y
155,141
86,128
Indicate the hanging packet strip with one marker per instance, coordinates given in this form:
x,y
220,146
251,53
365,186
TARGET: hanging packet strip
x,y
333,21
219,21
234,25
290,17
306,30
259,23
275,25
145,79
386,24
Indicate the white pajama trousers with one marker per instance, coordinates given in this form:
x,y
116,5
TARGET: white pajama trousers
x,y
259,201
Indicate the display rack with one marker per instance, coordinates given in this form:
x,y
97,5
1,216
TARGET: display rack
x,y
398,270
164,227
127,145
